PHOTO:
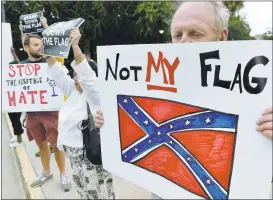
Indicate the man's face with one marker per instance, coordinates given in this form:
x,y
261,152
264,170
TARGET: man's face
x,y
195,22
34,48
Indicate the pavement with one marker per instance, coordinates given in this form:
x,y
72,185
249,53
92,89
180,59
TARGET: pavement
x,y
30,166
12,187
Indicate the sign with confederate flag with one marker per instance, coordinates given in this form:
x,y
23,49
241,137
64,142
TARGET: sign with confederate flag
x,y
190,146
180,119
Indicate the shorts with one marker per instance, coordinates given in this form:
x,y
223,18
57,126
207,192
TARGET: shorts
x,y
42,126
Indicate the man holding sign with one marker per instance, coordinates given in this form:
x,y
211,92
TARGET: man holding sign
x,y
43,126
31,23
208,22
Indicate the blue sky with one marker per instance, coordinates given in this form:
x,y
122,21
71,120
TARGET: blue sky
x,y
259,16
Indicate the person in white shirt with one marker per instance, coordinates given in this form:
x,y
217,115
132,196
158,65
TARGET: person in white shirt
x,y
91,181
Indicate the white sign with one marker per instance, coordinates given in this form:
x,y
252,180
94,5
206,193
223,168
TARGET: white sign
x,y
28,87
180,119
6,45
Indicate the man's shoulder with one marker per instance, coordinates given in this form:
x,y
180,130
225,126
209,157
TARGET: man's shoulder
x,y
28,61
24,61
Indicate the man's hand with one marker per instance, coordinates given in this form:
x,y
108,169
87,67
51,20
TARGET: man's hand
x,y
265,123
43,21
75,37
99,120
21,27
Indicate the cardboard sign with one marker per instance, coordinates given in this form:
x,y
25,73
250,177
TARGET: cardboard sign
x,y
31,22
56,37
180,119
27,88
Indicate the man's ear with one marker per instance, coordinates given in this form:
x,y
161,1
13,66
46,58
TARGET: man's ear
x,y
223,35
26,47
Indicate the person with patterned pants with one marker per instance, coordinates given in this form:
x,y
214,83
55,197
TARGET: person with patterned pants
x,y
91,181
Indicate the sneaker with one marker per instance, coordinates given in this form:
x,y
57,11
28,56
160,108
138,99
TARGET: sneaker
x,y
13,139
65,184
42,179
16,144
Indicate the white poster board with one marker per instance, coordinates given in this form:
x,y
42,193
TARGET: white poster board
x,y
28,88
6,45
177,124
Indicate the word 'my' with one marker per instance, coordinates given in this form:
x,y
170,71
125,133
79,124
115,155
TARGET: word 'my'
x,y
164,65
260,82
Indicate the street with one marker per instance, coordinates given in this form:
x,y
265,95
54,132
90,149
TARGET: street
x,y
12,187
51,190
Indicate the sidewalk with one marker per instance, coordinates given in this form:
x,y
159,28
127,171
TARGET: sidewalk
x,y
51,190
12,187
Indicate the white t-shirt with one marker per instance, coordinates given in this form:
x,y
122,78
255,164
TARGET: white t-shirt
x,y
74,109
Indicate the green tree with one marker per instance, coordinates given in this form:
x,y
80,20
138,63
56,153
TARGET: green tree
x,y
268,35
234,6
106,22
239,28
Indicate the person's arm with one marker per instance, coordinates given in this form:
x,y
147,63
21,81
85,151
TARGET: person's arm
x,y
60,76
14,55
86,76
23,35
43,21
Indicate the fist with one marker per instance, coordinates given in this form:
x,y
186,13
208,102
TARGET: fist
x,y
99,120
75,36
264,123
21,26
43,21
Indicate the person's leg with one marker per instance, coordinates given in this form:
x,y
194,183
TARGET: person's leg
x,y
50,122
99,182
37,154
44,156
60,158
17,129
36,131
77,173
45,160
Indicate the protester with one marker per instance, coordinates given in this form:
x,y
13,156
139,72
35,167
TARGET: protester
x,y
15,117
208,22
91,181
43,21
43,126
91,62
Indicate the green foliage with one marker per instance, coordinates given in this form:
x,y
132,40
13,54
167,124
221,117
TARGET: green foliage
x,y
268,35
239,29
234,6
106,22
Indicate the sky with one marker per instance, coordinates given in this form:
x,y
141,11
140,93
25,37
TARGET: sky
x,y
258,15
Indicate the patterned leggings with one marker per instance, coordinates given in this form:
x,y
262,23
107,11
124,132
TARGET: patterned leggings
x,y
91,181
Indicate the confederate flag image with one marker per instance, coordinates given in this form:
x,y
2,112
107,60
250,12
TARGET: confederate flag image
x,y
190,146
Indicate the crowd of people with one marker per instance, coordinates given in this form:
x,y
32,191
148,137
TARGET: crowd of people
x,y
192,22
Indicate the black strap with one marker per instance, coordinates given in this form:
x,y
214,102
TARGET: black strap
x,y
88,117
88,111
